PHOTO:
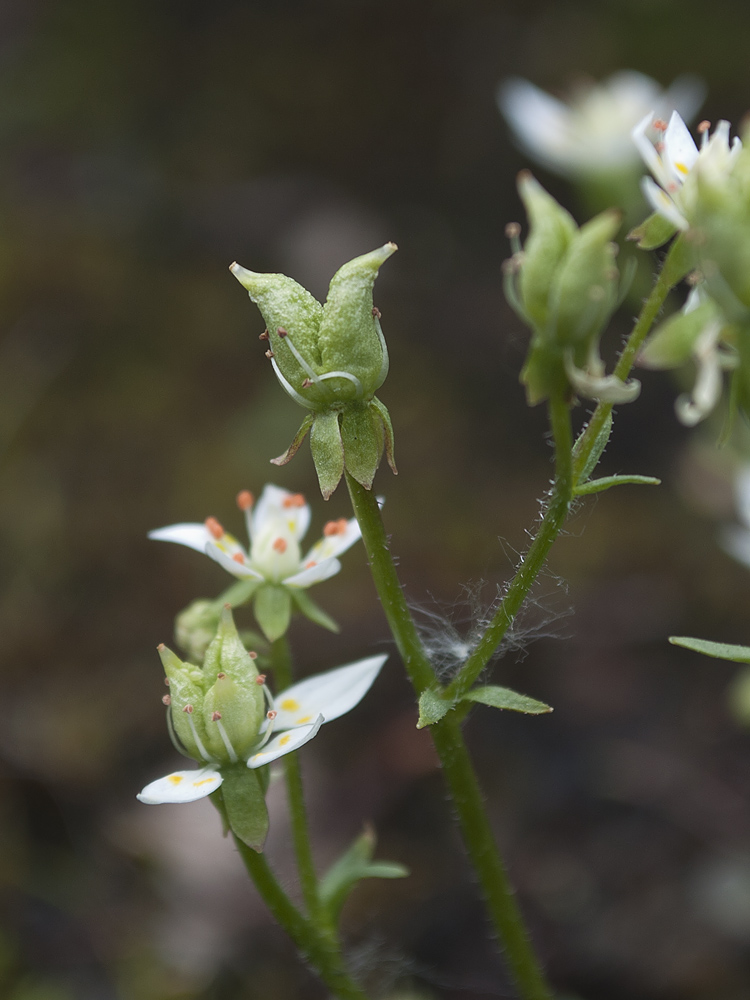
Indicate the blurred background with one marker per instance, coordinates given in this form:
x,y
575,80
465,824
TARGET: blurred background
x,y
144,146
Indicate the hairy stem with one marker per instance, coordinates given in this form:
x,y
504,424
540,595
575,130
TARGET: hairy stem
x,y
454,757
281,664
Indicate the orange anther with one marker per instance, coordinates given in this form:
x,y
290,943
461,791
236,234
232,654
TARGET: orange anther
x,y
215,716
245,499
660,125
659,147
703,127
239,558
260,679
310,564
214,527
272,714
335,527
293,500
279,545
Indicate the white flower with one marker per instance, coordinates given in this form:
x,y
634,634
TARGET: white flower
x,y
735,538
591,133
295,717
675,161
276,527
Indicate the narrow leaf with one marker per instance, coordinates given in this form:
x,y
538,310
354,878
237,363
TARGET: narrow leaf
x,y
597,485
311,610
719,650
596,452
353,865
432,708
502,697
245,805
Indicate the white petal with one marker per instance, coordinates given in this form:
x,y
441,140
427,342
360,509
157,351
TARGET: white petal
x,y
541,123
195,536
241,570
314,574
334,545
680,151
181,786
663,204
647,149
274,505
284,743
330,694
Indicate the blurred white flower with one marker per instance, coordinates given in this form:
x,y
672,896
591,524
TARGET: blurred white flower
x,y
591,133
735,538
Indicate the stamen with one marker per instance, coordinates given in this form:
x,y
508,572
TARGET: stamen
x,y
703,126
336,527
307,383
298,357
167,700
280,545
260,679
376,312
282,332
659,147
188,710
214,527
659,124
385,363
166,681
239,558
264,335
216,717
288,388
347,375
270,354
294,500
252,654
310,564
245,499
271,714
220,676
513,232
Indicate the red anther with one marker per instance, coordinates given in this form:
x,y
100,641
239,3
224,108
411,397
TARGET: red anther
x,y
245,499
270,354
272,714
166,700
279,545
260,679
239,558
166,681
376,312
252,654
335,527
704,126
263,336
214,527
282,332
659,124
293,500
188,709
215,716
307,383
220,676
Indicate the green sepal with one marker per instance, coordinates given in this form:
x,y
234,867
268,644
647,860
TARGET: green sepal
x,y
245,805
653,232
672,342
273,610
432,707
543,374
602,438
311,610
388,438
355,864
607,482
327,451
719,650
362,438
299,437
502,697
680,260
186,688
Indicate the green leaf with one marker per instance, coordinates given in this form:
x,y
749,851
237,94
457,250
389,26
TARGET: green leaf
x,y
597,485
245,805
355,864
653,232
432,708
596,452
310,609
273,610
502,697
719,650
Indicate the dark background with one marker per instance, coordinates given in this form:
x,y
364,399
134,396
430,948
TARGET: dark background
x,y
144,145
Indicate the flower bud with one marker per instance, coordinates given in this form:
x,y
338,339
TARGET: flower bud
x,y
330,359
196,626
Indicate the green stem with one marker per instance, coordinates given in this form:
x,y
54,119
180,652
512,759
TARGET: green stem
x,y
453,754
315,945
281,664
532,562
